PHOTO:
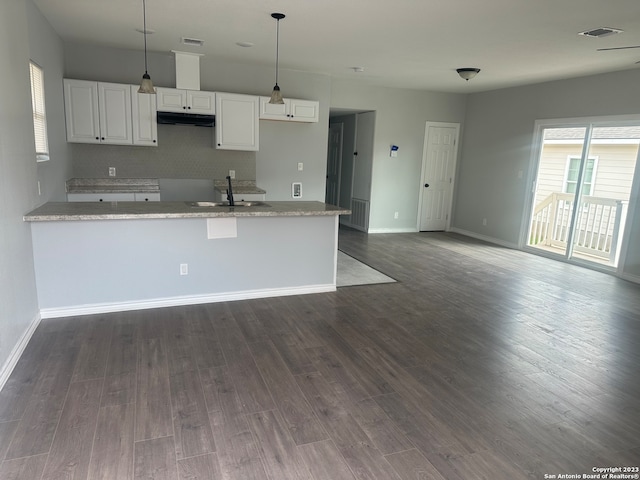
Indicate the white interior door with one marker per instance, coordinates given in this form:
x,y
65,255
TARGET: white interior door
x,y
438,170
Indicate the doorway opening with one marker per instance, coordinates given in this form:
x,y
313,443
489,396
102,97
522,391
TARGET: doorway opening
x,y
350,165
585,174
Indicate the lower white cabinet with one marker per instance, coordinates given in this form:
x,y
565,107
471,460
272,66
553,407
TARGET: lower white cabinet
x,y
237,121
113,197
146,197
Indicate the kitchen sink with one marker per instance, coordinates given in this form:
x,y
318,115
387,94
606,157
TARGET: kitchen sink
x,y
239,203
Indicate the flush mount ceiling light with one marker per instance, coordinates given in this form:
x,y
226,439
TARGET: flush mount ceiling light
x,y
146,86
276,96
467,73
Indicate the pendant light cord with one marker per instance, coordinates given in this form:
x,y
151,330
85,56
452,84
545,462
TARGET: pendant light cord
x,y
144,32
277,48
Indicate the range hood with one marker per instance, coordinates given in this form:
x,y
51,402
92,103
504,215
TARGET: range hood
x,y
187,78
174,118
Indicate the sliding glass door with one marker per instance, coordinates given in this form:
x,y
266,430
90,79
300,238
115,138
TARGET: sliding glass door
x,y
582,190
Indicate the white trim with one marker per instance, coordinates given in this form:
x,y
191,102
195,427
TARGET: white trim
x,y
17,351
393,230
630,277
456,126
485,238
91,309
335,250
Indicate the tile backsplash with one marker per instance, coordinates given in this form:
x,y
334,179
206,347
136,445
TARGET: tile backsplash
x,y
183,151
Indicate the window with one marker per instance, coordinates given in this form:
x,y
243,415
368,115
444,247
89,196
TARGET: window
x,y
571,178
39,114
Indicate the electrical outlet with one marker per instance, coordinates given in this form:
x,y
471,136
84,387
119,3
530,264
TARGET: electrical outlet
x,y
395,215
300,166
232,174
184,269
112,171
484,222
296,190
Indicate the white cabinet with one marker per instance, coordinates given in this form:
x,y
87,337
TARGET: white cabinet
x,y
100,197
186,101
114,197
146,197
144,118
237,126
98,112
293,110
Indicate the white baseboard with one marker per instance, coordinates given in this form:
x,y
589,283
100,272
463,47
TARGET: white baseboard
x,y
91,309
484,238
630,277
16,353
393,230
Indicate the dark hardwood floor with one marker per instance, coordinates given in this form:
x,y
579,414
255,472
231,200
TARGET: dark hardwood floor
x,y
480,363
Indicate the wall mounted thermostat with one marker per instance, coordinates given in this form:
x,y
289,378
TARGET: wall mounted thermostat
x,y
394,151
296,190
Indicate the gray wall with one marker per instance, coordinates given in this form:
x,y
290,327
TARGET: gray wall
x,y
282,144
400,120
120,264
497,144
24,34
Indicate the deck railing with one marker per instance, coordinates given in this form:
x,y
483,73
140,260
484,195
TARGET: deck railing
x,y
599,224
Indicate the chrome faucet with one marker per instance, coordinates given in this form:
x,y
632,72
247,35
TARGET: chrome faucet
x,y
230,192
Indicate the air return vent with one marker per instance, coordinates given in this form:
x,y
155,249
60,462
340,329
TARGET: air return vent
x,y
194,42
600,32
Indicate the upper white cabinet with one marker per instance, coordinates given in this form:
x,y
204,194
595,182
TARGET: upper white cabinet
x,y
144,118
237,121
293,110
186,101
98,112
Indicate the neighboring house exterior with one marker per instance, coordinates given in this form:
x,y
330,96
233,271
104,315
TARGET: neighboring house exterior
x,y
608,178
612,160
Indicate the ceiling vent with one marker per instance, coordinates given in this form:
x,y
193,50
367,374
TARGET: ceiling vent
x,y
193,42
601,32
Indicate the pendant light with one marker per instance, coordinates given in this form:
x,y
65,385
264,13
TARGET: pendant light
x,y
146,86
276,96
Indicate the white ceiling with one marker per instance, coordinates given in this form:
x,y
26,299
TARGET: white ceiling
x,y
414,44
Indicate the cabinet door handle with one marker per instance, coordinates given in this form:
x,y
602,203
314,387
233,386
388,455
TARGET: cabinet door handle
x,y
426,185
154,141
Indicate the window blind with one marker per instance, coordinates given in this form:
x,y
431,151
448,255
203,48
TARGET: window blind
x,y
39,114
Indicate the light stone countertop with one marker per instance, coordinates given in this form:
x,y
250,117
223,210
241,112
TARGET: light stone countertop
x,y
77,211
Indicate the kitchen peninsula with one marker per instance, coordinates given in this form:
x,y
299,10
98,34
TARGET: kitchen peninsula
x,y
94,257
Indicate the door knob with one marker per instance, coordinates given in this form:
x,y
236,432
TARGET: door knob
x,y
426,185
